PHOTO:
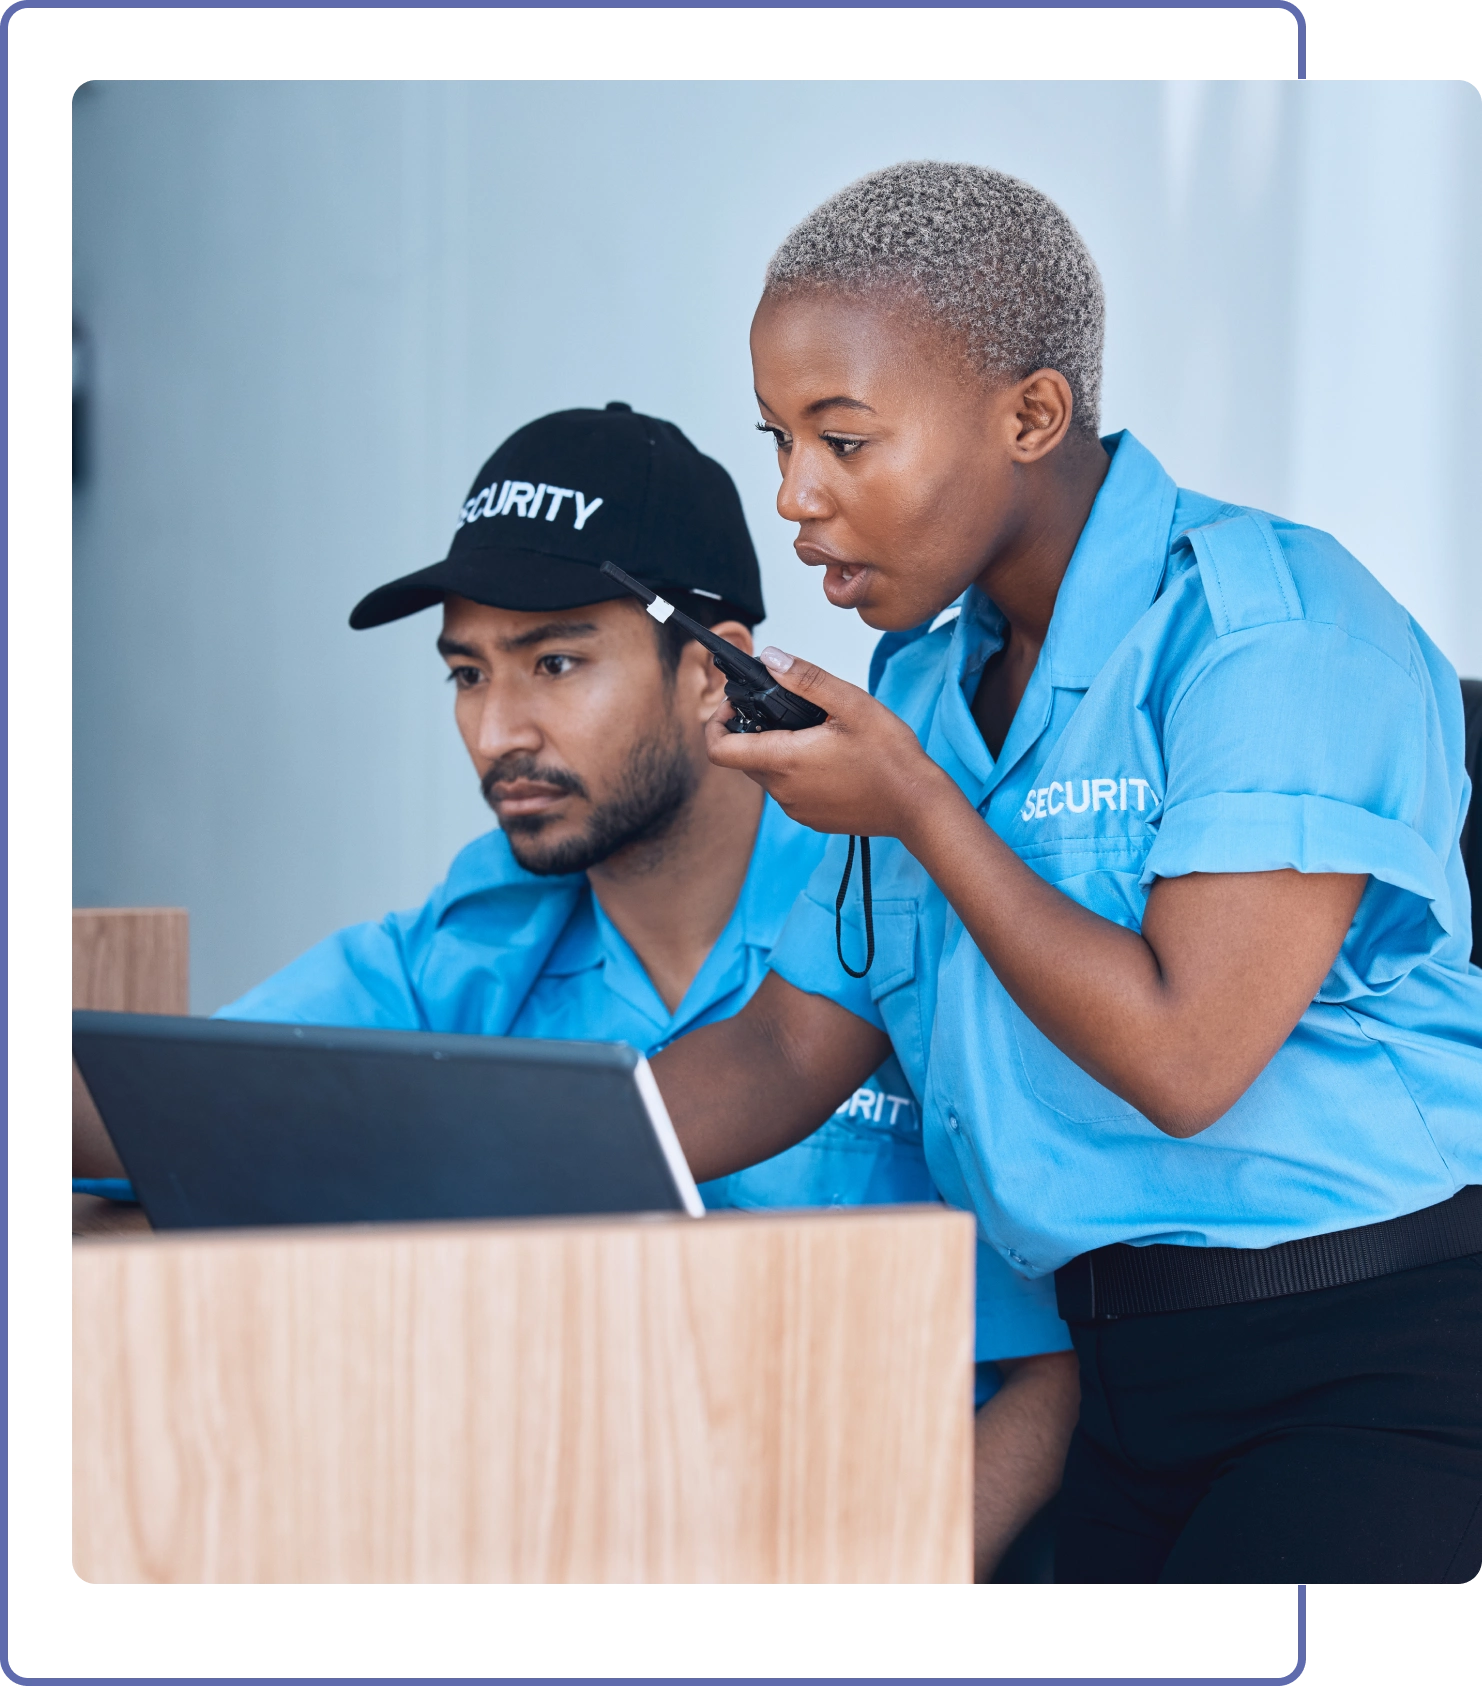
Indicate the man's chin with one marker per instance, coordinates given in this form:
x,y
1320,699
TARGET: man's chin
x,y
540,847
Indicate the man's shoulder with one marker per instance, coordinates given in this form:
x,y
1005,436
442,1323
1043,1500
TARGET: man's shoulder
x,y
461,961
476,947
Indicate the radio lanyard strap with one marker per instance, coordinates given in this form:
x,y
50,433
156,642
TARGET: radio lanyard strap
x,y
869,911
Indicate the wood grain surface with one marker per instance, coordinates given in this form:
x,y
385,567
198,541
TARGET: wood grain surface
x,y
92,1215
131,959
124,960
778,1397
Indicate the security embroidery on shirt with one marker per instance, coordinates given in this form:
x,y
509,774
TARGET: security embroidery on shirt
x,y
1080,796
869,1103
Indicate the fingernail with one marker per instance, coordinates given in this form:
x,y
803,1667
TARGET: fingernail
x,y
778,660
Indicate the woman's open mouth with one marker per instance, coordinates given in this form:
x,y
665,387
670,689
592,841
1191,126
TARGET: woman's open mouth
x,y
846,584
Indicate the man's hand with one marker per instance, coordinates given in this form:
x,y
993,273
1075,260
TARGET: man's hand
x,y
862,773
750,1086
1020,1439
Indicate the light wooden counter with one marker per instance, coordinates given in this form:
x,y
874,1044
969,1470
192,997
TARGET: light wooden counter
x,y
781,1397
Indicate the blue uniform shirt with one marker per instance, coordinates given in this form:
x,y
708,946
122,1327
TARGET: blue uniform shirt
x,y
497,951
1219,691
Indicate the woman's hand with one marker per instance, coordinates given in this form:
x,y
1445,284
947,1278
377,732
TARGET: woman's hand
x,y
862,773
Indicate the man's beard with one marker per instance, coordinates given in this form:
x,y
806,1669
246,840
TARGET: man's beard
x,y
654,787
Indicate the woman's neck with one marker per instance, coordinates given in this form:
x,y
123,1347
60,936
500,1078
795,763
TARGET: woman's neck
x,y
1023,579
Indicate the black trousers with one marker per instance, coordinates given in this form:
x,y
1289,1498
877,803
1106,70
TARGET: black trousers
x,y
1327,1436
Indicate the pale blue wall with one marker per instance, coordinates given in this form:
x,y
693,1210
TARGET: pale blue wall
x,y
315,309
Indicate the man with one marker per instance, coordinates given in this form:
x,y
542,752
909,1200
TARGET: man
x,y
634,890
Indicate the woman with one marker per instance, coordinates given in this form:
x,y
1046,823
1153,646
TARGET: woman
x,y
1167,921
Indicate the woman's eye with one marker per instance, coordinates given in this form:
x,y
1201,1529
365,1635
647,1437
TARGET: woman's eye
x,y
555,666
779,439
840,445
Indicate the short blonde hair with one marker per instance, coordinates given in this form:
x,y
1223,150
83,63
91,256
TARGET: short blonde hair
x,y
989,256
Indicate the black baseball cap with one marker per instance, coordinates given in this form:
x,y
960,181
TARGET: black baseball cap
x,y
574,490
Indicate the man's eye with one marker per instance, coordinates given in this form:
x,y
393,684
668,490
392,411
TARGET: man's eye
x,y
464,678
555,666
841,445
779,439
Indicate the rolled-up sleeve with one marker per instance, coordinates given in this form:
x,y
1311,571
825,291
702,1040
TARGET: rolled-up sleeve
x,y
1298,745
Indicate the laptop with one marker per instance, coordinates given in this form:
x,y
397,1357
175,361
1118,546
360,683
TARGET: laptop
x,y
224,1124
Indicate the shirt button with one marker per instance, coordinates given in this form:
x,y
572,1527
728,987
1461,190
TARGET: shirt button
x,y
952,1123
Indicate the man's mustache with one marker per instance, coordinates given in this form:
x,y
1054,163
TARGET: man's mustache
x,y
512,769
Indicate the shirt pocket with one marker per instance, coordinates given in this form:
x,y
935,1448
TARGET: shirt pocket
x,y
1101,875
1059,1083
894,986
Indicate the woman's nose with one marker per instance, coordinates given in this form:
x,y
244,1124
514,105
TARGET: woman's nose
x,y
802,495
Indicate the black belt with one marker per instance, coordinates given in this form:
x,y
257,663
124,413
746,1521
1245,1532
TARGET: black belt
x,y
1123,1281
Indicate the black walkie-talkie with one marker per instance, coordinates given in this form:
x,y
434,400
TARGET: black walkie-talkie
x,y
760,703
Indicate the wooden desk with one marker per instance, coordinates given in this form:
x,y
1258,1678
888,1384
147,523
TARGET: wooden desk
x,y
124,960
94,1217
782,1397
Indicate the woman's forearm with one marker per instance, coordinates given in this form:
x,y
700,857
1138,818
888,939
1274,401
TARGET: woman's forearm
x,y
1178,1018
1091,986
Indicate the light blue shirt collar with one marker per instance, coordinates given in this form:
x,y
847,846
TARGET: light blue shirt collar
x,y
1116,568
591,940
1115,572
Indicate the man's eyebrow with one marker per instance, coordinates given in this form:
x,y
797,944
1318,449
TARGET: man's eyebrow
x,y
451,647
542,634
545,633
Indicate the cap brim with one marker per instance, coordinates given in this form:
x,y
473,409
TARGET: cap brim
x,y
503,579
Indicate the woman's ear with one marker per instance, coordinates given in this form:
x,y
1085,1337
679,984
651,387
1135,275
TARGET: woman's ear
x,y
1043,411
